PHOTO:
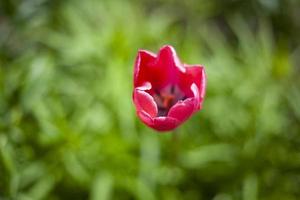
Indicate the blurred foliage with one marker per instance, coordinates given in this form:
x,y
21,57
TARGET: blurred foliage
x,y
68,128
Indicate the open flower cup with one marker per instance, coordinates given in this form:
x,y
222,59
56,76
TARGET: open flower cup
x,y
166,91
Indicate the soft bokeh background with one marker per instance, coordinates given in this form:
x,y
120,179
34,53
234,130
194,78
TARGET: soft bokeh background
x,y
68,128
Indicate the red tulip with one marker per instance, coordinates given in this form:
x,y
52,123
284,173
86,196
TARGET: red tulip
x,y
166,92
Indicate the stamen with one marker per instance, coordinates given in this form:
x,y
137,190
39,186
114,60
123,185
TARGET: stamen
x,y
166,98
172,89
157,92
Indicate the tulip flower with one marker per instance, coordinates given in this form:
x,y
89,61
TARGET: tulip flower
x,y
166,91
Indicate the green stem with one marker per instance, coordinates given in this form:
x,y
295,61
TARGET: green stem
x,y
176,145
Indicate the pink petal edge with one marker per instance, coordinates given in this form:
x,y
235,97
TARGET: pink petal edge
x,y
165,123
182,110
172,55
145,102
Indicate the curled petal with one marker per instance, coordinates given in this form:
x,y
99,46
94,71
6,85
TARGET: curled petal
x,y
145,102
158,123
146,118
196,94
182,110
145,86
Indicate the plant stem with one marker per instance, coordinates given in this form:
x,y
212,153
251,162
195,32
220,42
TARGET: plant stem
x,y
175,145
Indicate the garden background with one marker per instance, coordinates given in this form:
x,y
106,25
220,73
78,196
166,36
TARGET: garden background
x,y
68,128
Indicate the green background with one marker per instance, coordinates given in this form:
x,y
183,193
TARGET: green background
x,y
68,128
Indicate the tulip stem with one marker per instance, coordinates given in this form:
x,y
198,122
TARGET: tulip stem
x,y
175,144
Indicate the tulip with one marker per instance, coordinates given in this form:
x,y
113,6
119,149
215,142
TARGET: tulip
x,y
166,91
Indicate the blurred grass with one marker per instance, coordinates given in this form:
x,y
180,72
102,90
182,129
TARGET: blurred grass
x,y
68,128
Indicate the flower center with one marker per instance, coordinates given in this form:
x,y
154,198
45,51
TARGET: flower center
x,y
166,98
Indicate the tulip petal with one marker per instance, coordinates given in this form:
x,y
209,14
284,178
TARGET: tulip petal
x,y
194,74
165,78
165,123
141,68
166,68
197,99
145,86
182,110
146,118
168,56
145,102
